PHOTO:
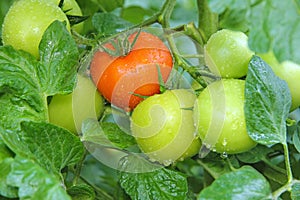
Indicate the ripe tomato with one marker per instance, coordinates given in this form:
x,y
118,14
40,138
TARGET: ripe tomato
x,y
26,22
118,78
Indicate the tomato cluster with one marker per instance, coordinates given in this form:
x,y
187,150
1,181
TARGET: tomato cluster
x,y
129,70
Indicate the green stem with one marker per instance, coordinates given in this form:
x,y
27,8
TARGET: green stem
x,y
165,14
207,20
289,184
78,169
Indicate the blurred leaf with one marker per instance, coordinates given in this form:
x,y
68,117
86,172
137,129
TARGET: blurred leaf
x,y
267,104
295,193
107,23
34,182
81,192
53,147
108,5
215,165
255,155
5,189
245,183
296,137
136,14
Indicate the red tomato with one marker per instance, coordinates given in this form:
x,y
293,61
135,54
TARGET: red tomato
x,y
119,78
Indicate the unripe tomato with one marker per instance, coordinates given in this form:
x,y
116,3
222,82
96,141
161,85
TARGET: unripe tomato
x,y
163,126
287,71
118,78
26,22
219,113
227,53
69,111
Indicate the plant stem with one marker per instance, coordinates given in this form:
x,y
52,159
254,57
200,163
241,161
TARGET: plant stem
x,y
78,168
289,174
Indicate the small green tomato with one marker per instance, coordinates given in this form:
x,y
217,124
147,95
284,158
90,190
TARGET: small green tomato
x,y
219,113
164,128
26,22
227,53
69,111
287,71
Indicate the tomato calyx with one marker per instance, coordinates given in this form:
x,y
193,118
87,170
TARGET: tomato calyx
x,y
121,45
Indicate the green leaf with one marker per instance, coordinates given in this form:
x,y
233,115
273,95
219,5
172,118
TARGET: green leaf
x,y
267,104
34,182
107,134
4,151
136,14
81,192
158,183
254,155
27,82
272,24
59,55
243,183
108,23
215,165
117,136
51,146
21,97
295,193
296,137
5,189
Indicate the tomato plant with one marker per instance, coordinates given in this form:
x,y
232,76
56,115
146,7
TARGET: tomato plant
x,y
193,106
26,21
164,128
221,105
121,78
227,53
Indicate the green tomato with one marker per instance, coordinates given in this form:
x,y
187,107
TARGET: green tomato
x,y
26,22
227,54
69,111
219,113
71,7
163,126
287,71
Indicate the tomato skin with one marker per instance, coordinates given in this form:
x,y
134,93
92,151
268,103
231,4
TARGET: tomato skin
x,y
70,110
227,53
287,71
26,22
119,78
219,113
163,126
